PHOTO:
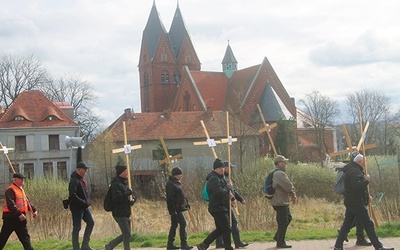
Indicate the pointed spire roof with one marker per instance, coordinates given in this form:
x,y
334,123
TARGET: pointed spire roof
x,y
229,57
177,32
153,30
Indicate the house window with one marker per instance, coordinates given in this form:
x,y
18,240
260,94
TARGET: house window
x,y
20,143
62,170
52,118
19,118
54,142
159,154
48,169
29,170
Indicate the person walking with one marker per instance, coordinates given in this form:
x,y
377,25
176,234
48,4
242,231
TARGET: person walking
x,y
16,206
235,227
79,205
121,211
356,199
284,191
176,204
220,192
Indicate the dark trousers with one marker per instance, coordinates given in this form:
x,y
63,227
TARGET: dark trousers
x,y
223,228
12,224
359,212
283,218
77,216
124,224
179,218
235,231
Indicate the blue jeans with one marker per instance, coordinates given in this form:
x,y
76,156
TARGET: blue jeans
x,y
124,224
359,212
77,216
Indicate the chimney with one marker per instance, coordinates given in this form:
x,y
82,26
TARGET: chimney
x,y
167,114
128,113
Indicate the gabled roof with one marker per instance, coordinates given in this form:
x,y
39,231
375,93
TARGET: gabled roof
x,y
174,125
33,109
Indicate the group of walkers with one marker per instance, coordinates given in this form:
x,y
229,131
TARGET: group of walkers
x,y
221,204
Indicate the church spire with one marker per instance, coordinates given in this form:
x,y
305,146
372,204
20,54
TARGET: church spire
x,y
229,63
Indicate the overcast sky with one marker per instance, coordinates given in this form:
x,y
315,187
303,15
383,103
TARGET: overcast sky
x,y
332,46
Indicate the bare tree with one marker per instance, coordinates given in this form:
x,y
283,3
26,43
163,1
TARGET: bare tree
x,y
321,112
80,95
18,74
374,106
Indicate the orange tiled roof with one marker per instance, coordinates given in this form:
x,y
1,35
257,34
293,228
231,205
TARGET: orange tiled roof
x,y
181,125
33,109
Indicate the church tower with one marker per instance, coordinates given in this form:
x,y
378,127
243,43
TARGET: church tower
x,y
162,57
229,63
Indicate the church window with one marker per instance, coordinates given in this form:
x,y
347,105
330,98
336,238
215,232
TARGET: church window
x,y
194,107
188,59
163,57
146,78
165,78
177,79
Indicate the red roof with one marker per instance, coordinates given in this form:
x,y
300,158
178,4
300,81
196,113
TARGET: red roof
x,y
33,109
180,125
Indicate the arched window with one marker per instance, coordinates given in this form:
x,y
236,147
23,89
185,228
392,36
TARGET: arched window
x,y
165,77
146,78
177,78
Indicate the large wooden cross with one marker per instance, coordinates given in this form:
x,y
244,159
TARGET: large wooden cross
x,y
169,158
5,150
127,149
362,146
350,147
267,128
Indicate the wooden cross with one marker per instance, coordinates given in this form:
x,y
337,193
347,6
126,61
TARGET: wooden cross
x,y
361,144
169,158
351,148
267,128
127,149
5,150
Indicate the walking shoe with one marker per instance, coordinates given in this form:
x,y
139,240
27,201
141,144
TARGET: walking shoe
x,y
241,244
171,247
386,248
219,246
284,245
202,246
186,247
338,248
363,242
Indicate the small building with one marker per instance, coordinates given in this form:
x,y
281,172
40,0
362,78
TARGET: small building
x,y
36,129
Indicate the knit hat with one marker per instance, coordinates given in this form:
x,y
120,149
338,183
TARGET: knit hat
x,y
120,169
353,155
217,164
176,171
280,158
82,165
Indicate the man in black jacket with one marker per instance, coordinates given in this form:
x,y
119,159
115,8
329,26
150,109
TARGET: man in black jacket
x,y
79,204
176,204
220,193
356,199
121,211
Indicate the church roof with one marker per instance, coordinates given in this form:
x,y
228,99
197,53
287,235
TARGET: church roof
x,y
33,109
229,57
177,32
173,125
153,31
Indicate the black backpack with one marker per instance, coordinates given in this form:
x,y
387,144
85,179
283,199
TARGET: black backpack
x,y
108,202
267,189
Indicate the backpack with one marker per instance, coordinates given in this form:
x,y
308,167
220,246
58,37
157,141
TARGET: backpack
x,y
108,202
339,185
267,188
204,193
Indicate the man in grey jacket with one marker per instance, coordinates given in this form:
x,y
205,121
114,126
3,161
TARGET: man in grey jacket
x,y
284,191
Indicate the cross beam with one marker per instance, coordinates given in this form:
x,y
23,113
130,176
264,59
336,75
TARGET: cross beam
x,y
169,158
5,150
267,128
